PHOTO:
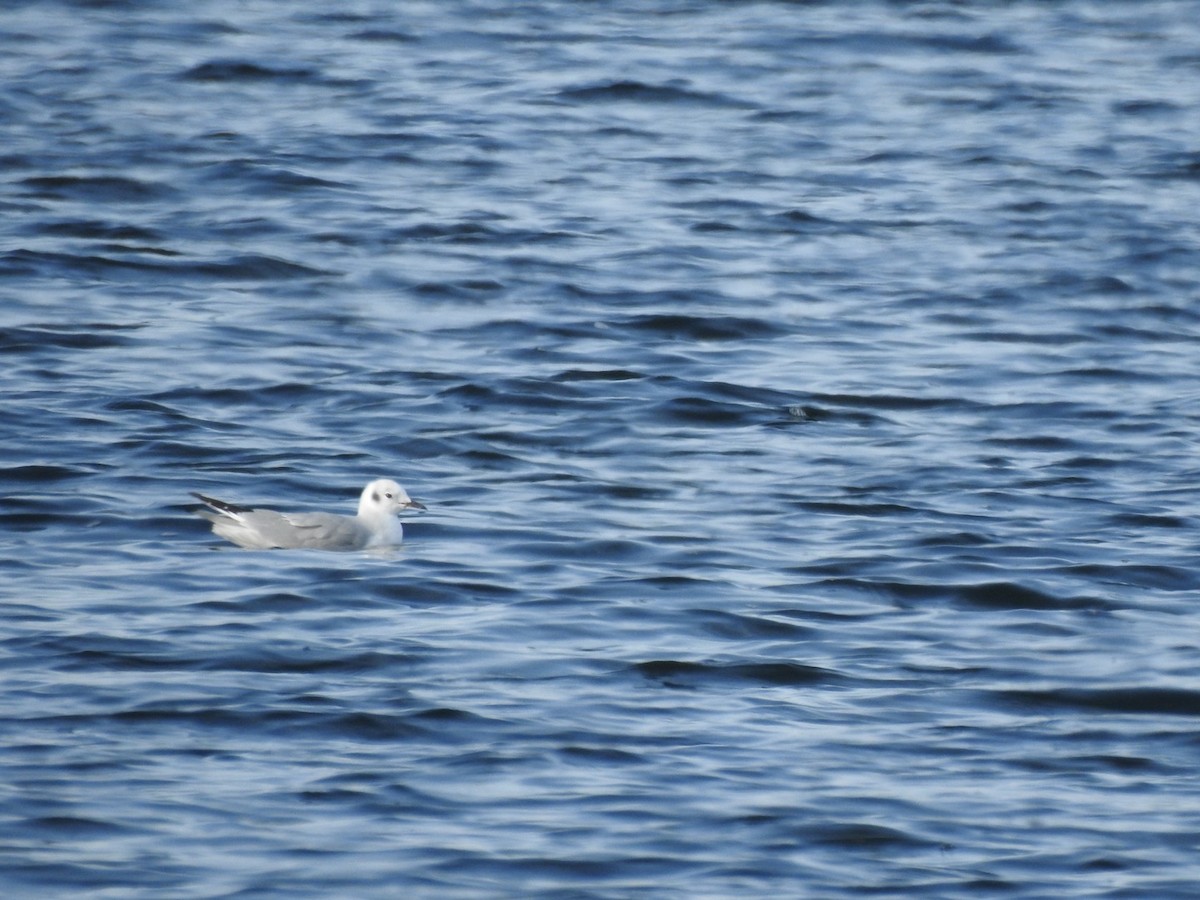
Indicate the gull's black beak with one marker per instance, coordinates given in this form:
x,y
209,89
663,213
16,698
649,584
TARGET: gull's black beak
x,y
414,504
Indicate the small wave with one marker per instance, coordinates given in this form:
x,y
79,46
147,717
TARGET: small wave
x,y
249,267
640,92
242,70
254,267
84,336
96,229
247,174
708,413
597,375
678,673
735,627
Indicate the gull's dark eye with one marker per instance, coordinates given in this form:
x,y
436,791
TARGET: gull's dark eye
x,y
388,495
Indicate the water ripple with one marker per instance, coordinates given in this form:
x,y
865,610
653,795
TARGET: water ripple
x,y
801,393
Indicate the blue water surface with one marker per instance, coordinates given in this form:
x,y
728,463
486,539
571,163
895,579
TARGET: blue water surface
x,y
805,396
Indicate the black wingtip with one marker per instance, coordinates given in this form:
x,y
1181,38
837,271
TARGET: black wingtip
x,y
220,505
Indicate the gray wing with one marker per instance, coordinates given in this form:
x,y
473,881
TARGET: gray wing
x,y
265,529
318,531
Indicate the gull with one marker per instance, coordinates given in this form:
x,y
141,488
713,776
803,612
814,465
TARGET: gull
x,y
375,525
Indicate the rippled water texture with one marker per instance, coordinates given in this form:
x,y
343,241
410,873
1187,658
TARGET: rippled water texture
x,y
804,394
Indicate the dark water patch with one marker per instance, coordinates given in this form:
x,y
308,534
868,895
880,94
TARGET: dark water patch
x,y
1145,520
941,43
679,674
96,189
1007,595
156,410
1087,284
384,36
698,328
1178,166
842,579
358,799
955,539
40,474
447,714
705,412
15,612
604,755
630,91
226,396
1035,338
252,267
84,336
1047,442
76,828
765,399
870,509
614,551
493,458
214,722
416,594
163,449
799,221
485,229
598,375
468,232
534,395
262,178
238,70
895,402
91,652
339,17
249,267
1145,108
275,721
862,836
23,262
712,226
1125,701
97,229
1108,374
28,521
471,290
363,726
131,249
1091,764
279,602
1087,463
